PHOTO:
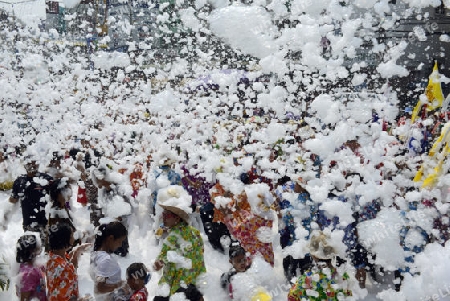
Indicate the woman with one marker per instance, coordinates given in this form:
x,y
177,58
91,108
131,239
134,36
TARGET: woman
x,y
60,194
181,256
246,216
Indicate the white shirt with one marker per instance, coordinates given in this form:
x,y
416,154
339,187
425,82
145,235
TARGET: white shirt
x,y
104,268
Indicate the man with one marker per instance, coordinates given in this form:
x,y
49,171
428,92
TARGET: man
x,y
32,190
181,256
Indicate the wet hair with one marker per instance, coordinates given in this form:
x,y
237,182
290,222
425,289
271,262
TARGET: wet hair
x,y
283,180
236,251
191,292
245,178
57,187
137,270
59,236
116,229
25,247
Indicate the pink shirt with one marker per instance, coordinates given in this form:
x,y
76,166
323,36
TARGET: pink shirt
x,y
32,279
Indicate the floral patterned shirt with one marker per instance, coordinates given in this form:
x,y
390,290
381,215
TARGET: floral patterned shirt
x,y
319,285
185,244
244,225
62,278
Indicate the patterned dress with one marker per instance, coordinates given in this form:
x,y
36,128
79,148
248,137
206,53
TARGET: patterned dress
x,y
182,240
62,279
32,280
319,285
197,187
244,225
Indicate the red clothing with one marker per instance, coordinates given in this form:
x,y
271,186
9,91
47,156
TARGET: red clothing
x,y
140,295
81,196
137,178
62,279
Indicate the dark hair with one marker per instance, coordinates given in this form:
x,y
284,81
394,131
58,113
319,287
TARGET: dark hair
x,y
56,188
116,229
236,251
354,174
283,180
191,292
137,270
245,178
25,247
59,236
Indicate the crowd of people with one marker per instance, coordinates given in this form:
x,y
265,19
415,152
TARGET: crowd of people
x,y
247,200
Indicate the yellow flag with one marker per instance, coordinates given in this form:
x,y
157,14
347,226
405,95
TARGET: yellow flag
x,y
433,93
434,90
442,140
416,111
419,175
433,177
438,153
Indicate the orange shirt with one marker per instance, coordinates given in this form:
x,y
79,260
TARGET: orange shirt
x,y
62,279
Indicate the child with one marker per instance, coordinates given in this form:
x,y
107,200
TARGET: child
x,y
105,271
239,262
137,278
31,278
61,268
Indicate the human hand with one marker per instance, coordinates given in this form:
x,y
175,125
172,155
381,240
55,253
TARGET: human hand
x,y
159,232
126,288
78,250
87,297
158,265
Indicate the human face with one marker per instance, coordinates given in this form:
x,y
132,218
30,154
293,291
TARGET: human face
x,y
239,263
170,219
114,243
135,283
71,241
31,167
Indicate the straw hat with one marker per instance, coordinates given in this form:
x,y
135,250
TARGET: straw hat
x,y
175,199
320,246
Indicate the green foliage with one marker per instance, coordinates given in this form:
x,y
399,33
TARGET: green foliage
x,y
4,277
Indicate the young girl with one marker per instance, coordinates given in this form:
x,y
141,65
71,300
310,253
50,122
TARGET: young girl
x,y
105,271
61,269
137,278
60,193
31,282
